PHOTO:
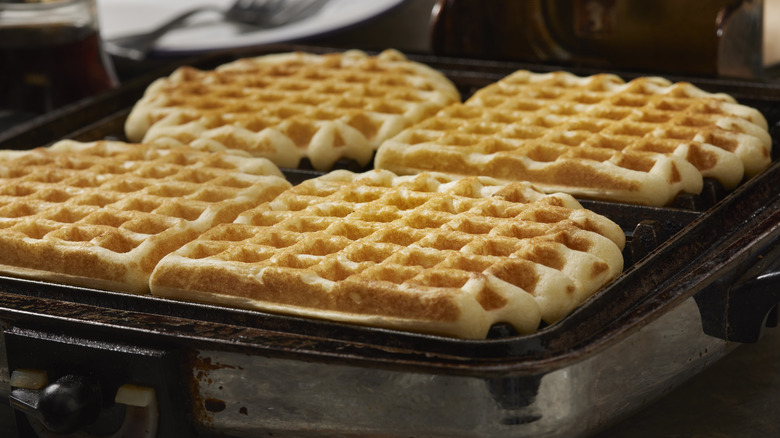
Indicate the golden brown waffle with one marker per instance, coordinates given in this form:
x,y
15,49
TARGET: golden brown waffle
x,y
103,214
425,253
289,106
598,137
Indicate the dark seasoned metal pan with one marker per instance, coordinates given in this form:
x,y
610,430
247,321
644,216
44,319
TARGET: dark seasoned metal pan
x,y
700,278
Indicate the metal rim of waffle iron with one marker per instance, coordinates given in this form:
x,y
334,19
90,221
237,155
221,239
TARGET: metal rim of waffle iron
x,y
500,352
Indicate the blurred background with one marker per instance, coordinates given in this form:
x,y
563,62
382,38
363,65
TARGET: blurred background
x,y
706,38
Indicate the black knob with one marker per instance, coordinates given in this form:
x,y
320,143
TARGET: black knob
x,y
69,404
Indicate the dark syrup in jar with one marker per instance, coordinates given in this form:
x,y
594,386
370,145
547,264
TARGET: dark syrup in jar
x,y
46,67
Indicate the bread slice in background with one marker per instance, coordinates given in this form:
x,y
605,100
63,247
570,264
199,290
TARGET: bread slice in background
x,y
599,137
290,106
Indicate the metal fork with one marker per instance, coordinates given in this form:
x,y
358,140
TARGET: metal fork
x,y
262,14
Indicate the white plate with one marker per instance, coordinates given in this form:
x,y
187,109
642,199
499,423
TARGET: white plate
x,y
124,17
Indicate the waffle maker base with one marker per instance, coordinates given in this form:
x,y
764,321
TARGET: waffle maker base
x,y
701,279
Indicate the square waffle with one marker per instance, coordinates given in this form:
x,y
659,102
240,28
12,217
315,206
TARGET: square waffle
x,y
290,106
641,142
427,253
103,214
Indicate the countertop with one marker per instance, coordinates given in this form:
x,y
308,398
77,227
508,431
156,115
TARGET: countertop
x,y
737,397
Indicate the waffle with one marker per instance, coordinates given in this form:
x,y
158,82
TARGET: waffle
x,y
103,214
290,106
641,142
425,253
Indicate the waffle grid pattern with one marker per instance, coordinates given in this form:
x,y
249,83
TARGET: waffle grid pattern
x,y
426,253
643,141
289,106
106,212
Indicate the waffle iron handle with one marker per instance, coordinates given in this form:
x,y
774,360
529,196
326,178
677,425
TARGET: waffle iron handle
x,y
739,309
753,305
62,407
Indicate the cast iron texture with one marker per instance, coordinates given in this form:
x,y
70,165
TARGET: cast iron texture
x,y
672,253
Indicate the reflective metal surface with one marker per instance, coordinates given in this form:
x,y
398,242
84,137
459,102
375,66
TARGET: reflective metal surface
x,y
245,395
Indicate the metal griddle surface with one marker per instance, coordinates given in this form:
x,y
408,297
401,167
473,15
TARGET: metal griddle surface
x,y
672,254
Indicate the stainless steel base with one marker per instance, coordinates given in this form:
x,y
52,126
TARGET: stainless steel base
x,y
245,395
